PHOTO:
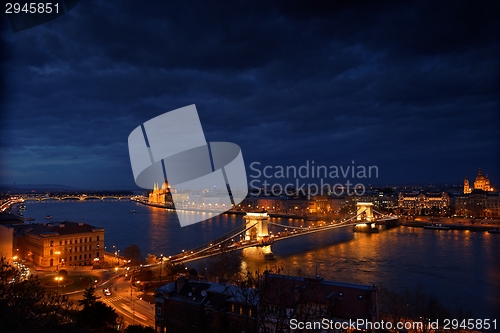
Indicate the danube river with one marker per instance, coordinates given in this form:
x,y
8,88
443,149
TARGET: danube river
x,y
460,268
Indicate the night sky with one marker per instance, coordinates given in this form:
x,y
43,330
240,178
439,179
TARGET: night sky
x,y
411,87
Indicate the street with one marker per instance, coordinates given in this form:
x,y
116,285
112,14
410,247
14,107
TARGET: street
x,y
126,303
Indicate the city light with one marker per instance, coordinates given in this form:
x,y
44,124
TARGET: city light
x,y
58,279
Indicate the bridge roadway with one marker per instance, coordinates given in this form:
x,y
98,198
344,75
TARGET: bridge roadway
x,y
79,197
227,243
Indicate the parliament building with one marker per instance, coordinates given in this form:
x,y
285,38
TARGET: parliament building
x,y
160,196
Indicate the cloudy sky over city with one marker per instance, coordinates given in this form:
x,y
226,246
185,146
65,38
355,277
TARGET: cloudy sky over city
x,y
411,87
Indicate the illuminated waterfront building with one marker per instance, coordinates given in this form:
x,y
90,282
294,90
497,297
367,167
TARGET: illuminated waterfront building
x,y
60,243
160,196
422,203
478,204
7,244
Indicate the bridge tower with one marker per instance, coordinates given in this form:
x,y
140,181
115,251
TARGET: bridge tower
x,y
258,232
365,212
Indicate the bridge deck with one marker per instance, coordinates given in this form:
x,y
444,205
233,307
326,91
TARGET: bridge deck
x,y
228,245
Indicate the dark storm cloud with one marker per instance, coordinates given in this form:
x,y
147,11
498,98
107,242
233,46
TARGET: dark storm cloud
x,y
399,85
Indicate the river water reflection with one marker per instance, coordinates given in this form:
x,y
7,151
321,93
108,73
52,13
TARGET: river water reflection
x,y
459,267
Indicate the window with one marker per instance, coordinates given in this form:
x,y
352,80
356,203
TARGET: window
x,y
158,309
51,252
85,256
97,238
97,254
60,243
90,247
80,257
65,242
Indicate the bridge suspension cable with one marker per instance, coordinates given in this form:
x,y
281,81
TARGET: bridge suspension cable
x,y
211,248
211,245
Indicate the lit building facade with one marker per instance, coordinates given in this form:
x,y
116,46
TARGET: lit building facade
x,y
59,244
480,201
7,243
160,196
421,203
478,204
278,205
481,183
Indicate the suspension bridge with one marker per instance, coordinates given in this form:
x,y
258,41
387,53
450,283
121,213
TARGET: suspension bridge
x,y
256,238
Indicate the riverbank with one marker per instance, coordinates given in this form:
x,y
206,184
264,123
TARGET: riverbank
x,y
172,208
10,212
454,223
229,212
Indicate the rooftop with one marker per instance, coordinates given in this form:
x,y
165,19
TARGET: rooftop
x,y
56,228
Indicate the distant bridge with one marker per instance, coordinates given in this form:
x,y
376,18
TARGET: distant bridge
x,y
79,197
255,238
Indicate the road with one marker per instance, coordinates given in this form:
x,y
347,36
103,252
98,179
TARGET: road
x,y
129,305
127,302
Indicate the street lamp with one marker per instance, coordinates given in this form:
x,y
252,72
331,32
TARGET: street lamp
x,y
57,254
58,278
161,264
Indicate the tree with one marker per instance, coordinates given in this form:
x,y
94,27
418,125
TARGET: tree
x,y
224,266
282,298
133,253
145,275
95,314
193,272
415,305
89,298
166,270
139,329
25,307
